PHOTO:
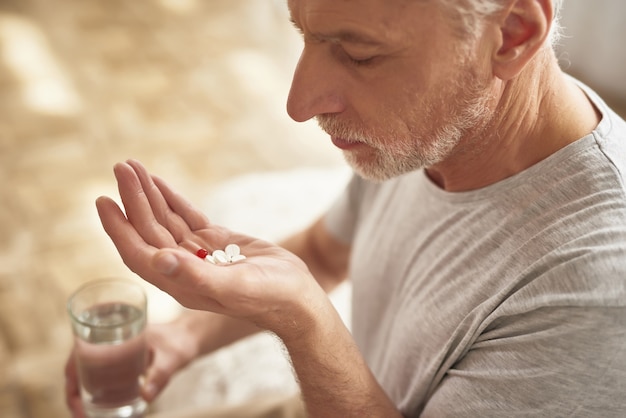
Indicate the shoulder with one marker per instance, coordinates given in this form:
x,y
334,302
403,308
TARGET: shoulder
x,y
610,134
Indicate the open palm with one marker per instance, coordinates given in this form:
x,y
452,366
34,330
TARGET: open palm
x,y
159,234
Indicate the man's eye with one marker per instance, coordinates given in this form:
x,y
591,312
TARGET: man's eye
x,y
360,61
353,57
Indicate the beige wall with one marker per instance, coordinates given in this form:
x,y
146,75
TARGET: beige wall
x,y
594,43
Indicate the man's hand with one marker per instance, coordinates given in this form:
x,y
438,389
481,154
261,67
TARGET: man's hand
x,y
159,234
170,348
72,388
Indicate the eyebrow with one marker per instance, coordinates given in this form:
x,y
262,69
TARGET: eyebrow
x,y
340,36
295,25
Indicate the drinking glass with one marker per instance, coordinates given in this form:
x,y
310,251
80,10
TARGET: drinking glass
x,y
108,318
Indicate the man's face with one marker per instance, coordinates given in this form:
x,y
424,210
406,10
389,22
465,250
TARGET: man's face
x,y
389,80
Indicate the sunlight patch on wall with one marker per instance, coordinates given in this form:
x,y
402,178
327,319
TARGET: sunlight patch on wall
x,y
180,6
25,52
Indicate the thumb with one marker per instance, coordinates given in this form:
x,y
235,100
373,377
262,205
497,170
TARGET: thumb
x,y
165,262
156,379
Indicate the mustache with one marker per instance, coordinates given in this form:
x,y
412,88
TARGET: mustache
x,y
334,127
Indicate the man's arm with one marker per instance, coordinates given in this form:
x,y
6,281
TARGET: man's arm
x,y
333,377
325,256
200,332
157,236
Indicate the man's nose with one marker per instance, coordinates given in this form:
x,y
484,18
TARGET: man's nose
x,y
315,88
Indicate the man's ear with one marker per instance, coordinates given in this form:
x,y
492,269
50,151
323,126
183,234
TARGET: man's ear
x,y
524,28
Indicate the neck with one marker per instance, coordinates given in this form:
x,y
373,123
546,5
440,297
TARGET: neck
x,y
537,113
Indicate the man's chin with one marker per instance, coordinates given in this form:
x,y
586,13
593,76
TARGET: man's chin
x,y
375,174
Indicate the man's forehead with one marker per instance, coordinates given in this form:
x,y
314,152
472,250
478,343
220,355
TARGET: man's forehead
x,y
359,21
380,9
359,3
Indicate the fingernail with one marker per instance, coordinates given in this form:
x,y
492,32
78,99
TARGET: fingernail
x,y
165,263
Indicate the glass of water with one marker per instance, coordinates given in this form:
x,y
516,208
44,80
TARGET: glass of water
x,y
108,319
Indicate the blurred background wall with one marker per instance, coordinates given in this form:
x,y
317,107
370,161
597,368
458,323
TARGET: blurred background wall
x,y
592,45
195,89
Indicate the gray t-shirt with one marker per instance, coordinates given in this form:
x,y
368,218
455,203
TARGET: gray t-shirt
x,y
505,301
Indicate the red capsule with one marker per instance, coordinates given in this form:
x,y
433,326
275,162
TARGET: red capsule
x,y
202,253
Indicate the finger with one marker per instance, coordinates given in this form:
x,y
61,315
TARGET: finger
x,y
152,383
162,211
138,209
157,377
204,285
75,405
191,281
192,216
138,255
71,379
72,389
134,250
70,370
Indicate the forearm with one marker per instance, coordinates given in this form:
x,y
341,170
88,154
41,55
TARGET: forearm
x,y
210,331
334,379
325,257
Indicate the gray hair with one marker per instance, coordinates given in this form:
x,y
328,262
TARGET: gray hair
x,y
472,12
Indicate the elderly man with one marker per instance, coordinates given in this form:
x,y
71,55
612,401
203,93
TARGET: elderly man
x,y
484,232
